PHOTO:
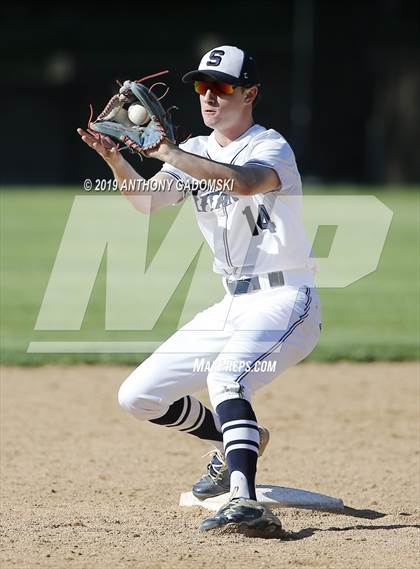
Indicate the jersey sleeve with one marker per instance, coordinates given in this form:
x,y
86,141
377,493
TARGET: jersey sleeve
x,y
181,179
274,152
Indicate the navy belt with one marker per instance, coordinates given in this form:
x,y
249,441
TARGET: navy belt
x,y
251,284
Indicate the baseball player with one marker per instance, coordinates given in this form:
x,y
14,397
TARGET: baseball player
x,y
269,318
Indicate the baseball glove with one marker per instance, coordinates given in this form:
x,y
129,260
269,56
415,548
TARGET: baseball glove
x,y
135,117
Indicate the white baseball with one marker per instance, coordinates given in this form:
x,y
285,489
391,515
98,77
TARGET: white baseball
x,y
138,114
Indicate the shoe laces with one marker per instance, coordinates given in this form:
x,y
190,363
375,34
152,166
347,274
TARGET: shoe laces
x,y
217,465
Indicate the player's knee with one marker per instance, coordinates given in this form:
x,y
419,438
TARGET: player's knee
x,y
221,388
125,397
144,406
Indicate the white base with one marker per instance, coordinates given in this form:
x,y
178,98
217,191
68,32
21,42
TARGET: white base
x,y
272,495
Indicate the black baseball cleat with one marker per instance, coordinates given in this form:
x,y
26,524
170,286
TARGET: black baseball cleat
x,y
217,479
242,515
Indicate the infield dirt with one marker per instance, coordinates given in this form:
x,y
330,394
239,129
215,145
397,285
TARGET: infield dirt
x,y
86,485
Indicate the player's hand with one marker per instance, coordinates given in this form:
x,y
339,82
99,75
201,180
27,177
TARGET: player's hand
x,y
105,147
161,152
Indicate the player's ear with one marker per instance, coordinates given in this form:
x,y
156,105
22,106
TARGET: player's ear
x,y
251,93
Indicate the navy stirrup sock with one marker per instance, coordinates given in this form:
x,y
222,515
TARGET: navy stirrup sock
x,y
191,416
241,443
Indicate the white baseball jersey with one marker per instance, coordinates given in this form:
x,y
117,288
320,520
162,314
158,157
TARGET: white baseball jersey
x,y
277,325
257,234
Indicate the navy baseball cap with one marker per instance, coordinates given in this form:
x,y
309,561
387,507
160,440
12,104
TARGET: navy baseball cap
x,y
228,64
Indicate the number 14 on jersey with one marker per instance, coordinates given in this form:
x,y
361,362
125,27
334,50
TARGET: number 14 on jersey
x,y
263,220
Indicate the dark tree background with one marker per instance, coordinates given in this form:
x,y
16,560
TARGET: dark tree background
x,y
341,80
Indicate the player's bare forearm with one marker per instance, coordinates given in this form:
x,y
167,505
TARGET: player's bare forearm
x,y
246,180
129,181
141,194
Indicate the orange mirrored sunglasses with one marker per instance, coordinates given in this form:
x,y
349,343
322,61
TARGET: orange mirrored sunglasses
x,y
216,87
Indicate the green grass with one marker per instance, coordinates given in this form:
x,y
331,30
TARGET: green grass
x,y
376,318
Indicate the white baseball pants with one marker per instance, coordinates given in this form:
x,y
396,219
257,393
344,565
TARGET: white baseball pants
x,y
233,347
